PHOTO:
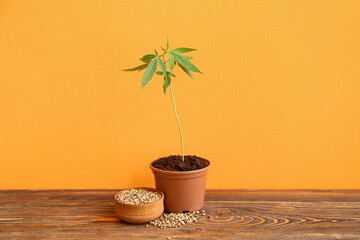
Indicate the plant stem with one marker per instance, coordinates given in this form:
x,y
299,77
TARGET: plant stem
x,y
182,144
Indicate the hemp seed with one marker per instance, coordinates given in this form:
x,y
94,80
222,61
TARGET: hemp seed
x,y
137,196
174,220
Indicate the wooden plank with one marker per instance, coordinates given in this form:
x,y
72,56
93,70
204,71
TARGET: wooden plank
x,y
285,195
236,214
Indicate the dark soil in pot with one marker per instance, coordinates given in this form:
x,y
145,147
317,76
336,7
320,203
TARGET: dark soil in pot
x,y
175,163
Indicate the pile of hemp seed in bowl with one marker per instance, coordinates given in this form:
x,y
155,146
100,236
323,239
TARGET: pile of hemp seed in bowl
x,y
137,196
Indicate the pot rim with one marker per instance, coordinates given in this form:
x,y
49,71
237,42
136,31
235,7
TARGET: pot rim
x,y
180,172
143,204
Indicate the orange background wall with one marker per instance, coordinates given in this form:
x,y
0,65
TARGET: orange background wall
x,y
278,105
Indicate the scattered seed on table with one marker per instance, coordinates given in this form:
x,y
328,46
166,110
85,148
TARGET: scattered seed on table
x,y
146,225
174,220
203,214
209,216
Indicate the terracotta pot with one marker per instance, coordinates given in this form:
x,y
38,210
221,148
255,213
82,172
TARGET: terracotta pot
x,y
184,190
141,213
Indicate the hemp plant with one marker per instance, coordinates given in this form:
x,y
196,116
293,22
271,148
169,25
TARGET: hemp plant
x,y
167,61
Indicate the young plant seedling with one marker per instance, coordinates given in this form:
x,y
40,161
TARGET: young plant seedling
x,y
167,61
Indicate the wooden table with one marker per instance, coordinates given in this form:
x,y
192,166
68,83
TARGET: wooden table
x,y
236,214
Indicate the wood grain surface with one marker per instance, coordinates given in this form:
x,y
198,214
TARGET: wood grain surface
x,y
236,214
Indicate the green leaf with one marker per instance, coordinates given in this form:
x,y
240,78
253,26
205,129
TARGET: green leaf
x,y
188,72
163,49
147,58
171,74
167,43
186,63
156,52
163,67
159,73
139,68
171,62
149,73
183,50
167,82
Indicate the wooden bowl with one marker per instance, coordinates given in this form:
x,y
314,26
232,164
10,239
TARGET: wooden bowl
x,y
141,213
